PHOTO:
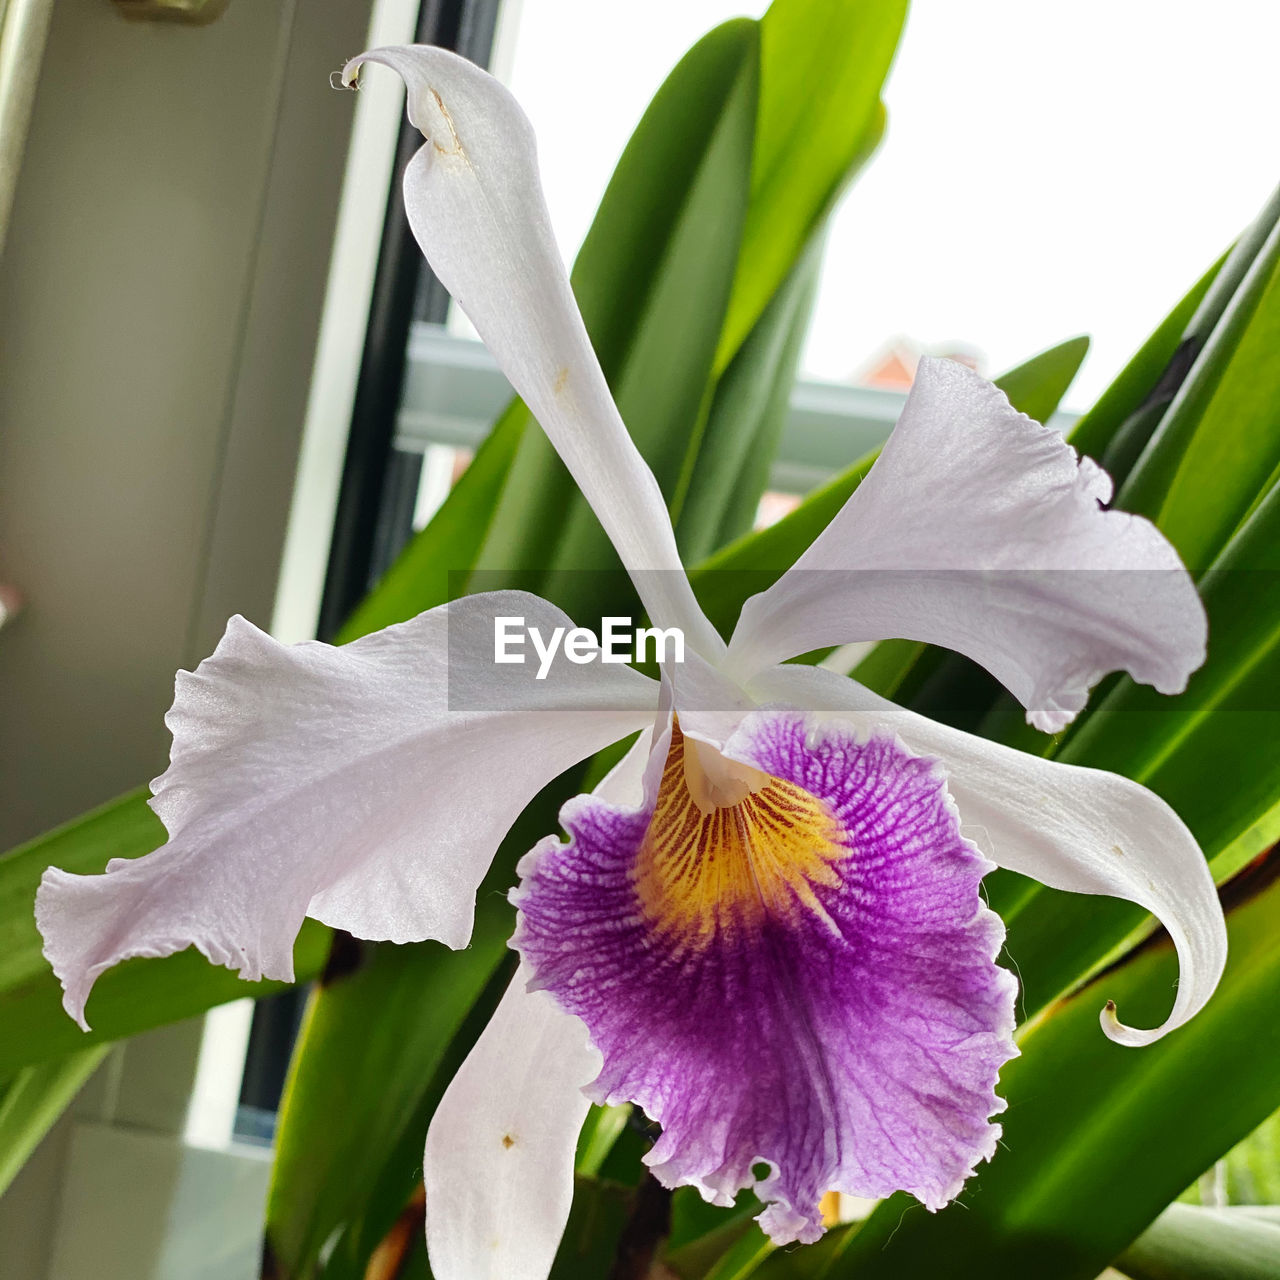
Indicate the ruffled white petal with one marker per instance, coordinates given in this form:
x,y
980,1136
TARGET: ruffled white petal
x,y
980,530
368,786
1077,829
499,1160
475,203
498,1167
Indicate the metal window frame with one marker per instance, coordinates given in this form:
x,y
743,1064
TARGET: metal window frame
x,y
453,391
376,482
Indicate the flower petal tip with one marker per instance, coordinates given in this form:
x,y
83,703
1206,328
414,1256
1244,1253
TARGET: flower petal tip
x,y
1117,1031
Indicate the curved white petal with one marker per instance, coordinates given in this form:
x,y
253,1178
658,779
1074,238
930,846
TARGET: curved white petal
x,y
980,530
498,1167
475,204
1083,830
368,786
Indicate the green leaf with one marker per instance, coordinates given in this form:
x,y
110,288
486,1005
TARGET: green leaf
x,y
1099,1138
652,280
603,1127
1190,1243
1249,1174
1121,423
1036,387
402,1005
823,65
1230,706
748,412
1223,423
731,1251
414,1011
1136,400
600,1213
133,997
34,1099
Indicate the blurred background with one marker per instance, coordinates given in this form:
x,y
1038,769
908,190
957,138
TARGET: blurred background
x,y
229,385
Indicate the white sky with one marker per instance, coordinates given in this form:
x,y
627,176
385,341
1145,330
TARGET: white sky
x,y
1050,168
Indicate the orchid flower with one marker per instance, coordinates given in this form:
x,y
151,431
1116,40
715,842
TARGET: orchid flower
x,y
765,927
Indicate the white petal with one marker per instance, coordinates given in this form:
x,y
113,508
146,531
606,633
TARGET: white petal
x,y
498,1210
475,204
980,530
1083,830
368,786
498,1166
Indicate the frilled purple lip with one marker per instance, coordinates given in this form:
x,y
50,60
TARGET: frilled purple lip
x,y
805,978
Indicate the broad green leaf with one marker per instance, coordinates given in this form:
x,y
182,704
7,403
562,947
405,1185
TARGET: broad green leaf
x,y
133,997
823,64
748,412
1223,423
1037,386
1190,1243
652,280
34,1099
1121,421
402,1006
1099,1138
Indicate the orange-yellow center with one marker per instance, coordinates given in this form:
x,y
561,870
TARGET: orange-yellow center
x,y
729,845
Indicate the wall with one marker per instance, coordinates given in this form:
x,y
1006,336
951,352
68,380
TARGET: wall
x,y
160,295
160,298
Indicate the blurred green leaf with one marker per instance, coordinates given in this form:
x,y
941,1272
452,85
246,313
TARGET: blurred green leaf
x,y
34,1099
824,62
1190,1243
733,1251
600,1213
1249,1174
602,1128
1099,1138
